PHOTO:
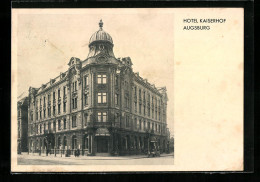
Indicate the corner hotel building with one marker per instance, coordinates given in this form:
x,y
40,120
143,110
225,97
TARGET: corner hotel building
x,y
99,105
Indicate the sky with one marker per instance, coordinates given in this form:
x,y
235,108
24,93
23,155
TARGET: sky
x,y
47,41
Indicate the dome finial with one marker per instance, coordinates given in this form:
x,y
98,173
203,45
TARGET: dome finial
x,y
101,24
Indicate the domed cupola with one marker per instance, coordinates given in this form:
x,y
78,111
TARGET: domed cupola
x,y
101,43
100,35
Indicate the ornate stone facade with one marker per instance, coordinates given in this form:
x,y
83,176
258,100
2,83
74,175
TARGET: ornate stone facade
x,y
99,105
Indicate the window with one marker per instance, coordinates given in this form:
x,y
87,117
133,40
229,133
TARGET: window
x,y
40,114
44,101
49,111
64,124
86,118
31,129
102,117
64,106
44,113
140,124
116,99
59,108
144,109
44,127
152,126
74,121
74,86
64,91
135,106
40,129
86,81
148,125
59,93
135,123
102,97
37,129
144,125
116,80
49,126
74,103
135,91
86,99
59,124
36,115
140,108
49,97
149,110
102,79
117,117
54,109
160,128
126,101
54,125
156,127
127,121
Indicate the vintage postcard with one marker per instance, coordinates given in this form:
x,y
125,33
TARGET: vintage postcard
x,y
146,89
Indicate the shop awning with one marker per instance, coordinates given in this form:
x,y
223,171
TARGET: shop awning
x,y
102,132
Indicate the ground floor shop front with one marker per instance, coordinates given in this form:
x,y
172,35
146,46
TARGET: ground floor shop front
x,y
96,141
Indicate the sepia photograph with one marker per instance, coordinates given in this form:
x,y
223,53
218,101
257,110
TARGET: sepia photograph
x,y
147,89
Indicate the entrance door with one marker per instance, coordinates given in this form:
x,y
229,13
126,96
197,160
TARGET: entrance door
x,y
102,144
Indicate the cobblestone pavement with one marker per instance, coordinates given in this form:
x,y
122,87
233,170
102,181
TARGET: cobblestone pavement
x,y
35,159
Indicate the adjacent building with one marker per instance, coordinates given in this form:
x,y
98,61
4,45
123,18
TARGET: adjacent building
x,y
99,105
22,125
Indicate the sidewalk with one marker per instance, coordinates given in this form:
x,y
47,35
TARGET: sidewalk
x,y
58,156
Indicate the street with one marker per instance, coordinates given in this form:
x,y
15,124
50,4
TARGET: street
x,y
164,159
